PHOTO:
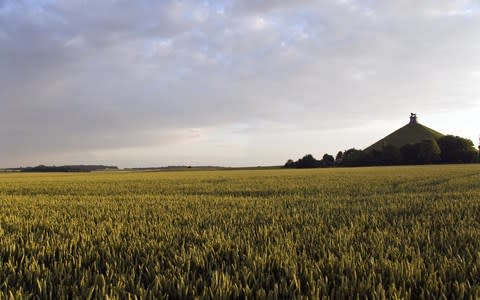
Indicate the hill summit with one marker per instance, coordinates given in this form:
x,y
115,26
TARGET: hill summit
x,y
411,133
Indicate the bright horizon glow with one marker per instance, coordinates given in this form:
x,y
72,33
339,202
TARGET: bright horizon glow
x,y
229,83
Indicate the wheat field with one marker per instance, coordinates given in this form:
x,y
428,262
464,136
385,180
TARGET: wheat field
x,y
386,232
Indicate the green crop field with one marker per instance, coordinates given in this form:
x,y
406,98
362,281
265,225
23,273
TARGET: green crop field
x,y
389,232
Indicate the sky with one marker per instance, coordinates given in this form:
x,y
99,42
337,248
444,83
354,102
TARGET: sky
x,y
232,82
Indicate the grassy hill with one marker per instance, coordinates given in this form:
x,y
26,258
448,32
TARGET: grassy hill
x,y
411,133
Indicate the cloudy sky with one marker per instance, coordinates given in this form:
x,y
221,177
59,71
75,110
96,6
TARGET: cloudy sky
x,y
232,82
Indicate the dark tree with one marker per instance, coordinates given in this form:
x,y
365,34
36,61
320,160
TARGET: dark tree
x,y
455,149
308,161
290,164
391,155
428,152
374,158
355,158
327,161
339,158
410,153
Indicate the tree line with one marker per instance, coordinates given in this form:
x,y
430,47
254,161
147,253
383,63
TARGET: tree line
x,y
70,168
447,149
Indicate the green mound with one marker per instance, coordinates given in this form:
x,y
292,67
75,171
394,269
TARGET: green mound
x,y
411,133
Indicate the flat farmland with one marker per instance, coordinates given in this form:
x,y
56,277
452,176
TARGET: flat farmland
x,y
386,232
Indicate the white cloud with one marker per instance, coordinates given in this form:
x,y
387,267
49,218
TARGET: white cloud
x,y
257,23
201,14
77,41
162,47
